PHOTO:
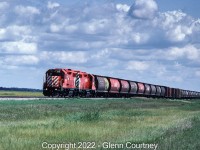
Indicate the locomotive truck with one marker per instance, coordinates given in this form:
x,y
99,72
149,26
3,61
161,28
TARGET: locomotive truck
x,y
69,83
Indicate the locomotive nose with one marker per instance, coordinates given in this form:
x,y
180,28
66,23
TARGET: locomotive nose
x,y
53,81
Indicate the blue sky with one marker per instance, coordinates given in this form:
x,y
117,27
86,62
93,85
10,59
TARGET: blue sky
x,y
144,40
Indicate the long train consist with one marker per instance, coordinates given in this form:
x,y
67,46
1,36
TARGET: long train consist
x,y
69,83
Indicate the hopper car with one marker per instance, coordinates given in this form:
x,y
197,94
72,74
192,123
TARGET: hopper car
x,y
69,83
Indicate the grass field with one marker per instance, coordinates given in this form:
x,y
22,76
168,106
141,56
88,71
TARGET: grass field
x,y
20,94
172,124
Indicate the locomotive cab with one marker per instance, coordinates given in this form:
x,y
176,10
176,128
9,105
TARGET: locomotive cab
x,y
53,82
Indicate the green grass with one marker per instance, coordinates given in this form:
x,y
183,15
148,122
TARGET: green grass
x,y
20,94
171,124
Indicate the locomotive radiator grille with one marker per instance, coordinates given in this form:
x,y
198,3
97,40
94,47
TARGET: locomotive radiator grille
x,y
52,81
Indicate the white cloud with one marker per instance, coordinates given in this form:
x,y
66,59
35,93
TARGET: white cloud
x,y
139,38
27,10
19,30
52,5
175,78
189,51
108,39
102,54
138,65
176,25
170,18
2,33
20,60
144,9
76,57
179,33
123,7
4,5
18,47
95,26
71,28
15,32
64,27
196,25
197,73
55,27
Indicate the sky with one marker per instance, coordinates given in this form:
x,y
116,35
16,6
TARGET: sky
x,y
152,41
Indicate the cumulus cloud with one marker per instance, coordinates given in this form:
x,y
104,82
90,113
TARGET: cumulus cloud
x,y
63,28
95,26
189,51
139,38
55,28
179,33
52,5
27,10
177,25
175,78
18,47
109,39
123,7
21,60
144,9
2,33
76,57
137,65
15,32
4,5
197,73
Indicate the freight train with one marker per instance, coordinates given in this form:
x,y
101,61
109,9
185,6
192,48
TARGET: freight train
x,y
70,83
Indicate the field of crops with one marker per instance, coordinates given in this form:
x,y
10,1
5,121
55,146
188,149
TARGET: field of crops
x,y
29,125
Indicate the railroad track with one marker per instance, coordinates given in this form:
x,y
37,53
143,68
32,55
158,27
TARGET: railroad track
x,y
26,98
49,98
20,98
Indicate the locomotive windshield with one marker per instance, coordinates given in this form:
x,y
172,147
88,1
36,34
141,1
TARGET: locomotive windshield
x,y
54,73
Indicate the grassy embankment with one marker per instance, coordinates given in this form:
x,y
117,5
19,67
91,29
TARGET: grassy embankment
x,y
170,124
20,94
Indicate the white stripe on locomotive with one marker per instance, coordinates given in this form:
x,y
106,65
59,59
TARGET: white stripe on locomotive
x,y
77,81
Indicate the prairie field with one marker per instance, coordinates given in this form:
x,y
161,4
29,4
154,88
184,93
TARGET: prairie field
x,y
20,94
172,124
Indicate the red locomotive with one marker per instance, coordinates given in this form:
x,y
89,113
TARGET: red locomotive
x,y
69,83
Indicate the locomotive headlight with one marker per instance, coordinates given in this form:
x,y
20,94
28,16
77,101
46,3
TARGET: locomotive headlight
x,y
56,89
46,89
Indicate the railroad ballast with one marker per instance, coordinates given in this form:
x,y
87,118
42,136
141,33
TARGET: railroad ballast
x,y
69,83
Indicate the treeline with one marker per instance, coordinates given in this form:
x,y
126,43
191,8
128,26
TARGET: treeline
x,y
19,89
